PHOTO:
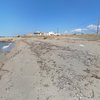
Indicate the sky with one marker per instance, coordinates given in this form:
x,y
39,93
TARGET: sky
x,y
64,16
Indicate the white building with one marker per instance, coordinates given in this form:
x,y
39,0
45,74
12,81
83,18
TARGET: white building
x,y
51,33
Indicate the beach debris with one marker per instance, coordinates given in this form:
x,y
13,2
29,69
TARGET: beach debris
x,y
81,45
95,76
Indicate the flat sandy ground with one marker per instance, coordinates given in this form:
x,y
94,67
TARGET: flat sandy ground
x,y
51,69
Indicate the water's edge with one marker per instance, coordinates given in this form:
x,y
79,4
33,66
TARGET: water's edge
x,y
5,48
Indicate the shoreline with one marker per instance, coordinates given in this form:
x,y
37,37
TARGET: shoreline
x,y
9,55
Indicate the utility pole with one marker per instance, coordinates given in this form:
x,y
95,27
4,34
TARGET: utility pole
x,y
98,25
57,30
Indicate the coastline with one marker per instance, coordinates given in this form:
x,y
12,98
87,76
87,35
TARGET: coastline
x,y
13,51
7,55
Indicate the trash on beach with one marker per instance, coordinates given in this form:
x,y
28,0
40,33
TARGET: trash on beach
x,y
81,45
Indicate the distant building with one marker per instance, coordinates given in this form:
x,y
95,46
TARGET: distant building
x,y
41,34
52,33
38,33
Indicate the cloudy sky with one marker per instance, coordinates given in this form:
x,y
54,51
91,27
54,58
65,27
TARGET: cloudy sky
x,y
23,16
89,29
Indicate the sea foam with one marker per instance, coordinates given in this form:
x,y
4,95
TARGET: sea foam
x,y
6,46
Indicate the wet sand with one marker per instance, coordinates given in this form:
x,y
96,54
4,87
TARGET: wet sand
x,y
63,69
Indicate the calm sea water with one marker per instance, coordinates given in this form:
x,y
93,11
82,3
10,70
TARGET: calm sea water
x,y
5,47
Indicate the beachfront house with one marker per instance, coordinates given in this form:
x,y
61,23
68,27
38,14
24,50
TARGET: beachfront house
x,y
38,33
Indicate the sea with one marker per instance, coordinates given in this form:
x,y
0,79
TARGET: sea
x,y
5,47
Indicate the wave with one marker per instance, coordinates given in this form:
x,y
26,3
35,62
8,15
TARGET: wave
x,y
6,46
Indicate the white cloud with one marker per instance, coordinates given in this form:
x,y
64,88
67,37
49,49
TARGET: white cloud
x,y
88,29
77,30
92,27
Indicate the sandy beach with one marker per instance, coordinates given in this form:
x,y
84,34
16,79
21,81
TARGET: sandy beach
x,y
51,69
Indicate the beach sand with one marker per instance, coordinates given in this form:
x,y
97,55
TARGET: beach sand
x,y
51,69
